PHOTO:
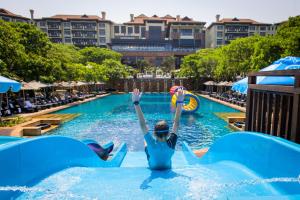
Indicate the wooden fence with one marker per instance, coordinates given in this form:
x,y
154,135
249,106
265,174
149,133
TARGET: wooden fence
x,y
157,84
274,109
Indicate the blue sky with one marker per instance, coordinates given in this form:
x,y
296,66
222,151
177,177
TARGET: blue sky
x,y
202,10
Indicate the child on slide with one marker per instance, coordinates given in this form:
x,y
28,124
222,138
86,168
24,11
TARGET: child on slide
x,y
160,145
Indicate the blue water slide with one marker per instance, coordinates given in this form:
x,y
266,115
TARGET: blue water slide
x,y
265,155
6,139
25,162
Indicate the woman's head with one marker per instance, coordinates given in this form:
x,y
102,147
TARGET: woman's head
x,y
161,130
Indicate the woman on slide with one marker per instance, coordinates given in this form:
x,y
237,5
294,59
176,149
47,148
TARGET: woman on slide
x,y
160,145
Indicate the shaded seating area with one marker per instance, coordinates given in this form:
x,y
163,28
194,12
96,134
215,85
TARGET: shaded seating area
x,y
34,96
210,87
224,93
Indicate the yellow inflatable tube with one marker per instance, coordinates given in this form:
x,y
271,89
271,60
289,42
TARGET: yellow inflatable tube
x,y
191,106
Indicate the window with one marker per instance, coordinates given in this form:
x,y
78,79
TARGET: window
x,y
42,24
219,42
186,32
6,18
102,40
252,28
220,27
137,29
123,29
102,31
175,30
67,24
197,30
262,28
68,40
130,30
219,34
102,25
143,32
67,32
117,29
262,33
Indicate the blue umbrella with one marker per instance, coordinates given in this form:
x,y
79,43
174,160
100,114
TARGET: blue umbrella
x,y
6,84
286,63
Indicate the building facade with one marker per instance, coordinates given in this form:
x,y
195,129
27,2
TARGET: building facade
x,y
144,38
80,30
223,31
155,38
11,17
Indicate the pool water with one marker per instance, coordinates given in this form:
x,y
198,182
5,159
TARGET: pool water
x,y
113,118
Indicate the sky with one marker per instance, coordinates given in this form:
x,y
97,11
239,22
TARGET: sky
x,y
268,11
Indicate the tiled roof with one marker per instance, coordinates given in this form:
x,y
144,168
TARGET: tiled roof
x,y
10,14
76,17
236,21
140,19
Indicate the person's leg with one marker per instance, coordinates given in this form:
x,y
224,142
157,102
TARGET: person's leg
x,y
199,153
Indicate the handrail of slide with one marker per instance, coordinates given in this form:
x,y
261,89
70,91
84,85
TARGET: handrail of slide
x,y
25,162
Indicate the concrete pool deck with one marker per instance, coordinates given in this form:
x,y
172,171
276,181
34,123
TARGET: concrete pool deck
x,y
242,109
17,130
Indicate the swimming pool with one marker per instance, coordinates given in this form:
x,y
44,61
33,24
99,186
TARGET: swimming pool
x,y
113,118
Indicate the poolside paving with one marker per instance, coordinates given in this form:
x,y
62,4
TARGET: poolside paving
x,y
17,130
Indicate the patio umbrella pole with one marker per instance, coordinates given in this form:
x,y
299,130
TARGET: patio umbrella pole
x,y
7,99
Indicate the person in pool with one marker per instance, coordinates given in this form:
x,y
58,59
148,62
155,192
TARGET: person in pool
x,y
160,145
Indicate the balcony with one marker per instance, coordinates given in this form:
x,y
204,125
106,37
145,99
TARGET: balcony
x,y
93,28
77,27
54,35
83,36
53,26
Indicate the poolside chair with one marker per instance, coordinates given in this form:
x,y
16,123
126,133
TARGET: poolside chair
x,y
5,111
14,107
30,106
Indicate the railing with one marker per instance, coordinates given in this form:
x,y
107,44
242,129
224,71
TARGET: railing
x,y
274,109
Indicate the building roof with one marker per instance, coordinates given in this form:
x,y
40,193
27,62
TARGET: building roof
x,y
10,14
140,19
76,17
236,20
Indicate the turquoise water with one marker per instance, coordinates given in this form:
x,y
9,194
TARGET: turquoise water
x,y
113,118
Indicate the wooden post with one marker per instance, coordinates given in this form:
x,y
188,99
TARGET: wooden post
x,y
251,80
295,129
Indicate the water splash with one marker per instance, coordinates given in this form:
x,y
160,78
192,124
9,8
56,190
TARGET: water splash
x,y
207,190
20,189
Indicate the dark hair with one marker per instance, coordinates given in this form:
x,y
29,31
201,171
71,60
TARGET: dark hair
x,y
161,129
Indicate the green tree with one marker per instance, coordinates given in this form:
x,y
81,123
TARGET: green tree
x,y
142,65
99,55
114,70
12,53
65,53
33,39
289,36
168,64
200,64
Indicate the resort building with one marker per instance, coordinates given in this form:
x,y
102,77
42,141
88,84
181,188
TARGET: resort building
x,y
11,17
80,30
223,31
155,38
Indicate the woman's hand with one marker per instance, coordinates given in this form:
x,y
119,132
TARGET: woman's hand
x,y
136,95
180,95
